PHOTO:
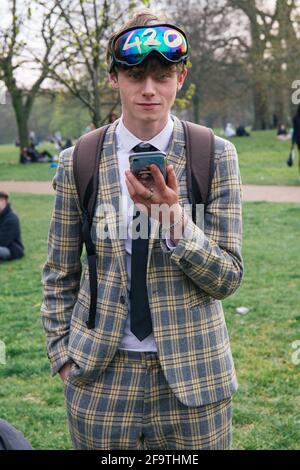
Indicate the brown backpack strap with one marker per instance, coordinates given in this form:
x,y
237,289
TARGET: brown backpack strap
x,y
200,151
86,158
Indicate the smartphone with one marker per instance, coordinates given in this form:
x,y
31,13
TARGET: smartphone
x,y
140,162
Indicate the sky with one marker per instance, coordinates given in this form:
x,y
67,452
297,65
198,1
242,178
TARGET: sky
x,y
30,33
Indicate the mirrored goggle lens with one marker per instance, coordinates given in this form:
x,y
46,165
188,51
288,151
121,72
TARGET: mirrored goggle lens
x,y
134,45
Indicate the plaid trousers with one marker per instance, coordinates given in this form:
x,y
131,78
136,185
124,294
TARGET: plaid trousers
x,y
131,406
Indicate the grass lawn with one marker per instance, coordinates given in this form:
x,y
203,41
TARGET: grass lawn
x,y
262,161
267,405
11,169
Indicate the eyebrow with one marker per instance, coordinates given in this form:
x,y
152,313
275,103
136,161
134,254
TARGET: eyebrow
x,y
155,72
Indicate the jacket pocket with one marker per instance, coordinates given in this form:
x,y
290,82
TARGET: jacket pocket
x,y
80,311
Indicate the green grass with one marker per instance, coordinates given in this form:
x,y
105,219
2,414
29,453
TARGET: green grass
x,y
267,405
29,397
262,159
11,169
266,408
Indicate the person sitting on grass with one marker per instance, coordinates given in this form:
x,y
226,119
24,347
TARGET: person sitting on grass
x,y
241,131
32,155
11,246
282,133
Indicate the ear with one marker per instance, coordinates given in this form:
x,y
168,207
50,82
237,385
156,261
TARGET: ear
x,y
181,78
113,80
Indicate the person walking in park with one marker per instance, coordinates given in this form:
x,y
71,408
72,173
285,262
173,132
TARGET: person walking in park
x,y
296,132
155,371
11,246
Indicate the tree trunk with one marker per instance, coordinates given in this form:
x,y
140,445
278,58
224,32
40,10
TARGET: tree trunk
x,y
280,106
261,115
22,114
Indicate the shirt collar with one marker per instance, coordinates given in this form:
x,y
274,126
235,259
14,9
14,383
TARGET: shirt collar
x,y
127,140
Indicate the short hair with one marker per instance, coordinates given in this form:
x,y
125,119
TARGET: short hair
x,y
142,18
4,195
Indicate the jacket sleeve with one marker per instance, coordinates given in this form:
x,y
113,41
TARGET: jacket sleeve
x,y
212,258
62,270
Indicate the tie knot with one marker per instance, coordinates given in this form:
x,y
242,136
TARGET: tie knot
x,y
144,147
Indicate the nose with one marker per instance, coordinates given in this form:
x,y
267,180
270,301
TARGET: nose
x,y
148,87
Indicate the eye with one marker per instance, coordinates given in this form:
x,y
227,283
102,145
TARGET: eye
x,y
163,77
135,75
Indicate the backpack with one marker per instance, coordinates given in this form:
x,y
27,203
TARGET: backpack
x,y
86,158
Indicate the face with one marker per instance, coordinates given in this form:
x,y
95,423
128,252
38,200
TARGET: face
x,y
3,203
147,97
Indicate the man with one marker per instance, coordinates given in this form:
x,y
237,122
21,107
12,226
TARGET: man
x,y
296,132
31,154
11,246
156,372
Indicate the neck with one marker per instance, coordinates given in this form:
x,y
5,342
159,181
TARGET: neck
x,y
145,130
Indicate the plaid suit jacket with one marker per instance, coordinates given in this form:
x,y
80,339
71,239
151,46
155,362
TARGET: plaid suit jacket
x,y
185,286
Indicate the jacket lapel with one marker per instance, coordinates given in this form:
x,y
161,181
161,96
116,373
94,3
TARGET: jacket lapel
x,y
110,194
176,150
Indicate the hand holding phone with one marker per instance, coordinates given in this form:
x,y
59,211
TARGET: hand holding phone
x,y
140,165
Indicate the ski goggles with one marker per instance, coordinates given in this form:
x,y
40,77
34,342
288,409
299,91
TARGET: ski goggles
x,y
133,46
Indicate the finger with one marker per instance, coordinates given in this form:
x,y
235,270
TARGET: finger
x,y
130,188
172,180
132,192
158,178
139,188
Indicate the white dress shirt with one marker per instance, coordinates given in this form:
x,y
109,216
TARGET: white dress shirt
x,y
125,142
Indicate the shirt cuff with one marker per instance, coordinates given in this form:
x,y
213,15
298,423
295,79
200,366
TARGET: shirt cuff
x,y
170,244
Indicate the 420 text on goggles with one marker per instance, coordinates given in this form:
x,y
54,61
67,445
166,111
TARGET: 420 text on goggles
x,y
133,46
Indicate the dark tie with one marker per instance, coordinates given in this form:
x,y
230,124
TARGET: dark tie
x,y
140,317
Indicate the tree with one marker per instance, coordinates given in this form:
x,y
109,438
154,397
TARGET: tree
x,y
214,66
16,54
254,47
285,50
267,51
85,27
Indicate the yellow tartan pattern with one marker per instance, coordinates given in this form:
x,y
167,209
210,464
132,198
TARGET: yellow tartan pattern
x,y
131,406
185,287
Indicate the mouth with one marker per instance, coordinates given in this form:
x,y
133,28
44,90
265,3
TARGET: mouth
x,y
148,105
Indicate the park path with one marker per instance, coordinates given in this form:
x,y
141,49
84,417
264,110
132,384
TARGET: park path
x,y
250,192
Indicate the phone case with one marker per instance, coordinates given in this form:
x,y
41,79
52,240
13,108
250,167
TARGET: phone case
x,y
139,163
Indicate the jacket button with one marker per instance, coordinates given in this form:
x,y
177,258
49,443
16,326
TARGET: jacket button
x,y
122,299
